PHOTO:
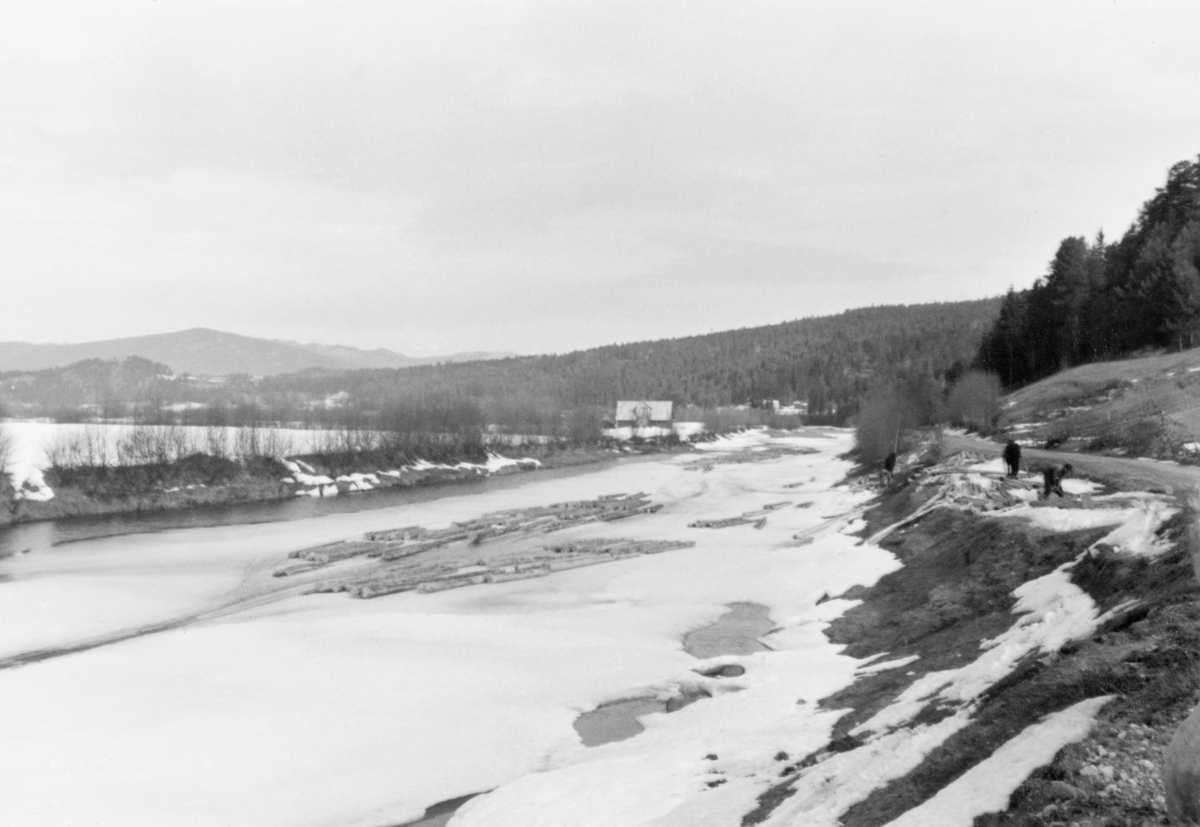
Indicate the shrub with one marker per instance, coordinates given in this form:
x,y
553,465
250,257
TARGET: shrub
x,y
974,401
887,420
6,450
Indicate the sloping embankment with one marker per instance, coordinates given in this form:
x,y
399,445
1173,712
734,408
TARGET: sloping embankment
x,y
1008,626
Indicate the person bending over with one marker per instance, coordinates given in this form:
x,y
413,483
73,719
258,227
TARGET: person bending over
x,y
1052,478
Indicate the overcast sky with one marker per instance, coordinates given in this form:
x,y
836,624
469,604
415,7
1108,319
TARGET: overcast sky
x,y
436,177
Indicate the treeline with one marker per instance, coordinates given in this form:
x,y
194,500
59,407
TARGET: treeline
x,y
828,362
1100,300
103,460
101,388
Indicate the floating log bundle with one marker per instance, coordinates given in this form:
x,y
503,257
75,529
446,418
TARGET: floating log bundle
x,y
758,518
391,567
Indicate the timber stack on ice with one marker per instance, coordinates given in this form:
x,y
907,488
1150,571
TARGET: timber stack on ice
x,y
382,561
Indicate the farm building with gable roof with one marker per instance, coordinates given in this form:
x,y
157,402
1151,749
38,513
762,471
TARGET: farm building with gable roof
x,y
641,414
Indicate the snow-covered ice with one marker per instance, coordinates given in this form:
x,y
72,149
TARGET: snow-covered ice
x,y
321,709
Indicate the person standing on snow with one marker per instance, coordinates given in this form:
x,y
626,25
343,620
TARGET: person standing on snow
x,y
1012,457
889,468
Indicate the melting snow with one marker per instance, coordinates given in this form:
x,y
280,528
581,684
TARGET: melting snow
x,y
1137,525
308,709
827,790
986,787
1053,611
307,476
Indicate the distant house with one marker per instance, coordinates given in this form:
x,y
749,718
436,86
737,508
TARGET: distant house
x,y
645,418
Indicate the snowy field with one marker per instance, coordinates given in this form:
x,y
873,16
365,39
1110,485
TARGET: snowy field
x,y
268,707
30,441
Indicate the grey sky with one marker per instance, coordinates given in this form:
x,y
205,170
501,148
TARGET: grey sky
x,y
542,176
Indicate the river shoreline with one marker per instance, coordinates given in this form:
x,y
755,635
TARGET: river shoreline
x,y
70,502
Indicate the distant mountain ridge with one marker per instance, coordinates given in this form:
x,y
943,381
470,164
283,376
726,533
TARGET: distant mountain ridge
x,y
205,352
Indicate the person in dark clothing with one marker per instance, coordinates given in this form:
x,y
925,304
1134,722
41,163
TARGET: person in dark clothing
x,y
1052,480
1012,458
889,467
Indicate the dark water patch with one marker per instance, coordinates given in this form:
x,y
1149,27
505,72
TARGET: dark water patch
x,y
48,533
729,670
438,815
686,699
734,633
615,721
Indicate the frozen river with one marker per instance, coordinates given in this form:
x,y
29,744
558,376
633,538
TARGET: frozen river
x,y
246,702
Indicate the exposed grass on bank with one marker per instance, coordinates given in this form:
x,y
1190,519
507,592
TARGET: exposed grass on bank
x,y
954,592
1148,407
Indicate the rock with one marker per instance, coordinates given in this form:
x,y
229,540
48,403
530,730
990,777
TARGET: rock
x,y
1062,791
1181,772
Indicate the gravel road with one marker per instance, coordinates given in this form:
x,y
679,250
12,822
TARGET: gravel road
x,y
1125,473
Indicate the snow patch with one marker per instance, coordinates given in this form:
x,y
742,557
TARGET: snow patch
x,y
826,790
303,474
1138,525
986,787
1054,611
33,487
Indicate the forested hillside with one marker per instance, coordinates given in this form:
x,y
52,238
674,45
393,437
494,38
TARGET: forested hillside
x,y
1100,300
828,362
109,388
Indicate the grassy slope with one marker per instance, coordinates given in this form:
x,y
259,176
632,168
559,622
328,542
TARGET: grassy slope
x,y
1148,406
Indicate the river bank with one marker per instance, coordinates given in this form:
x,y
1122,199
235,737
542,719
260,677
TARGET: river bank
x,y
186,486
1007,624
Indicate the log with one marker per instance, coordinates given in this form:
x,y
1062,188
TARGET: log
x,y
726,523
298,567
454,583
932,503
411,532
578,562
367,592
508,576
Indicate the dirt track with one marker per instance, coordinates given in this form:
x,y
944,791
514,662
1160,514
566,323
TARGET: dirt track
x,y
1125,473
